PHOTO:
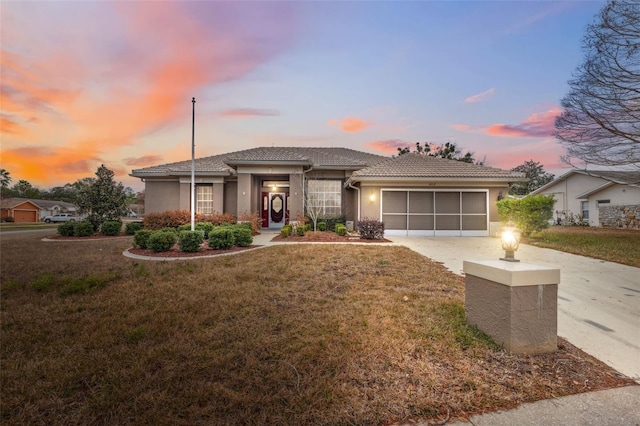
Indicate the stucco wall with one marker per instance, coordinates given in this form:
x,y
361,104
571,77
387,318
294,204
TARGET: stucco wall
x,y
161,196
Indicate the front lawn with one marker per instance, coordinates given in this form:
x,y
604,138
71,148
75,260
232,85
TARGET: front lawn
x,y
614,245
289,334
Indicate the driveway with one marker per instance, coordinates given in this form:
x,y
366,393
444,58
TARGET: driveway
x,y
598,301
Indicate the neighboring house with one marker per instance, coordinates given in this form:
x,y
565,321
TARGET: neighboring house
x,y
31,210
411,194
601,197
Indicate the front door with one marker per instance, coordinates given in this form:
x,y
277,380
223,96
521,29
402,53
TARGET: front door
x,y
277,209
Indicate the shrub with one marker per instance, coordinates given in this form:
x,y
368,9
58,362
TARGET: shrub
x,y
370,229
66,229
9,219
341,230
161,241
253,219
307,227
172,230
111,228
131,227
530,214
190,241
83,229
170,218
221,238
217,219
141,238
242,234
206,227
322,226
285,231
300,230
332,221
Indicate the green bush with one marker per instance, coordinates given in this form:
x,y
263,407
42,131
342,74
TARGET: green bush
x,y
322,226
242,234
221,238
341,230
161,241
9,219
111,228
285,231
190,241
300,230
171,229
141,238
83,229
206,227
66,229
131,228
332,221
530,214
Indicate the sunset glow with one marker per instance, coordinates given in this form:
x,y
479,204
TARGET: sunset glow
x,y
90,83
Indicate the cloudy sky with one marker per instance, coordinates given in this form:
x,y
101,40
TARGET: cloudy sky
x,y
89,83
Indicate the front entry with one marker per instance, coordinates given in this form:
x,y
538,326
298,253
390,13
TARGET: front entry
x,y
277,209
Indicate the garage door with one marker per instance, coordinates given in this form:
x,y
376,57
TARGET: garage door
x,y
25,215
435,213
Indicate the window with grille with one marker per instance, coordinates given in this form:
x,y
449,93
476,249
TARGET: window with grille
x,y
584,206
204,199
325,196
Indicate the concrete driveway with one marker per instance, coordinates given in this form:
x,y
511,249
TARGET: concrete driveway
x,y
598,301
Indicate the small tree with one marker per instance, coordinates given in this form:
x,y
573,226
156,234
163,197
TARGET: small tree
x,y
101,199
530,214
447,151
536,176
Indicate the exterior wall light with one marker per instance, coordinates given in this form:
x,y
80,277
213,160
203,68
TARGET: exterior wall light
x,y
510,241
372,197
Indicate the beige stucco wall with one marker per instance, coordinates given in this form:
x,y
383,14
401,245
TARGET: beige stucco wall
x,y
566,190
295,196
231,197
161,196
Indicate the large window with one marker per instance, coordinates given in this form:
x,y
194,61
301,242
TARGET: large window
x,y
325,196
204,199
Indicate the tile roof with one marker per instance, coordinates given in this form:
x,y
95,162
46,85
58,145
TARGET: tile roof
x,y
619,177
222,164
8,203
424,166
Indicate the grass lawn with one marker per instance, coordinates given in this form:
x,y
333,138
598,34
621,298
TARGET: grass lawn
x,y
614,245
291,334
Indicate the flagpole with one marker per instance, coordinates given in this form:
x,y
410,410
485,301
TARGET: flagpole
x,y
193,164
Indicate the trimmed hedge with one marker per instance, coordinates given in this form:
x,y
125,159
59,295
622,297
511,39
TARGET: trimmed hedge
x,y
242,234
66,229
132,227
190,241
530,214
371,229
222,238
83,229
285,231
300,230
322,226
141,238
341,230
111,228
161,241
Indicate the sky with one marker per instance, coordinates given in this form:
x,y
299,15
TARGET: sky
x,y
85,83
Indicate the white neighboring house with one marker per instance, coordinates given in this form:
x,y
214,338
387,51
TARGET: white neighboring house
x,y
602,197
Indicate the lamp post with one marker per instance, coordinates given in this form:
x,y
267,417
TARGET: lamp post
x,y
193,164
510,237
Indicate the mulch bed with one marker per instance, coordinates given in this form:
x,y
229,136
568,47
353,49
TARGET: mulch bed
x,y
176,252
90,237
325,237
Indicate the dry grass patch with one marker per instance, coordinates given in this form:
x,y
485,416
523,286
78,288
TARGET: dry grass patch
x,y
614,245
303,334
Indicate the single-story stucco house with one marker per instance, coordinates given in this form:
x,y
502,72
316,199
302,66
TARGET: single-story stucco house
x,y
601,197
412,194
31,210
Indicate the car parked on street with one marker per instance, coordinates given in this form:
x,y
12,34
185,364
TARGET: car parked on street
x,y
60,217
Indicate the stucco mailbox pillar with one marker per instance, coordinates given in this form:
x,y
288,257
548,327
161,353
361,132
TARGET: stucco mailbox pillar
x,y
516,303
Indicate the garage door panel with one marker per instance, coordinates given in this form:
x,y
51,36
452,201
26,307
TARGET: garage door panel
x,y
474,223
447,202
421,222
447,222
394,201
420,202
474,202
394,221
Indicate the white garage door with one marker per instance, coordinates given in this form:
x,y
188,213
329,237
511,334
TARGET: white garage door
x,y
435,213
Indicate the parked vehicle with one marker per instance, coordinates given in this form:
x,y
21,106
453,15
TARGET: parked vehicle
x,y
60,217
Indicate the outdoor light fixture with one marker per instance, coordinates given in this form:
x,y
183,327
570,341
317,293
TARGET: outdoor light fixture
x,y
510,241
372,197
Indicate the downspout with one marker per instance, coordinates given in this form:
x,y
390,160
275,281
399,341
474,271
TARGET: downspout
x,y
358,191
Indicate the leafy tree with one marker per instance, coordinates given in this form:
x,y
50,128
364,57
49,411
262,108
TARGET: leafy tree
x,y
67,193
102,198
600,121
447,150
24,189
5,179
536,176
530,214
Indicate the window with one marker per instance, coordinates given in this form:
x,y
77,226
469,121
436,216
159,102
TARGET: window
x,y
584,209
204,199
325,195
604,202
